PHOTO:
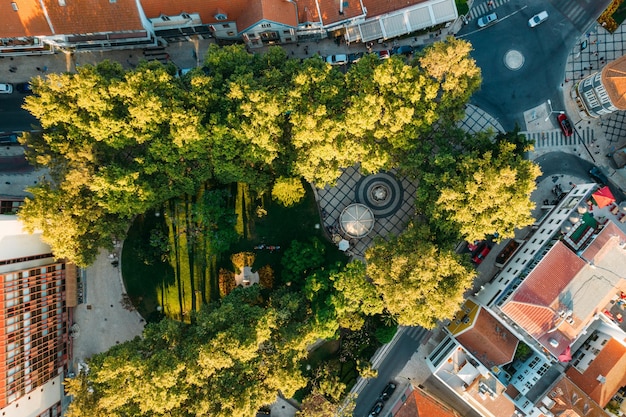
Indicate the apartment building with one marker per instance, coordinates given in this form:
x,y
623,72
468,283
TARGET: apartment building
x,y
37,294
546,336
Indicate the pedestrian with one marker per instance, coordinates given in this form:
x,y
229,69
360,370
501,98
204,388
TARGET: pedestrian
x,y
39,69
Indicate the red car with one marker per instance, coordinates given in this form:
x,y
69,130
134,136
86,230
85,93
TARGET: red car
x,y
565,125
481,253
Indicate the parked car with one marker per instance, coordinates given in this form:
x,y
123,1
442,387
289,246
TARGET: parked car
x,y
473,246
10,139
402,50
482,251
339,59
384,54
538,19
389,389
377,408
487,20
598,176
352,58
24,88
564,124
6,88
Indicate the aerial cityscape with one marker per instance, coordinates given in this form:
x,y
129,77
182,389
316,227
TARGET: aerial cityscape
x,y
313,208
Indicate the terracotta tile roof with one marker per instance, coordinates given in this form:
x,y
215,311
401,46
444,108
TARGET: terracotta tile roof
x,y
207,9
610,364
29,20
279,11
489,341
93,16
550,277
329,10
614,81
571,401
600,242
379,7
536,320
308,11
498,405
420,404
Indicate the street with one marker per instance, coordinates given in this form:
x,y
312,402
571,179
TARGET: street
x,y
506,93
12,117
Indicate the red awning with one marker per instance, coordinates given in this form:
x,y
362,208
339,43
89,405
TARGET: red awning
x,y
603,197
566,356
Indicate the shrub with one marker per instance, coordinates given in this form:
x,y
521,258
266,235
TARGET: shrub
x,y
288,191
385,334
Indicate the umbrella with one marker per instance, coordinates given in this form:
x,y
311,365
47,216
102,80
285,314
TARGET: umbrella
x,y
343,245
603,197
566,356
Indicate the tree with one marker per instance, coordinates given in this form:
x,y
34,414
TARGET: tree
x,y
233,358
355,296
419,282
488,193
301,258
288,191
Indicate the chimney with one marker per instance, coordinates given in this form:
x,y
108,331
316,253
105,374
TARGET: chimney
x,y
601,379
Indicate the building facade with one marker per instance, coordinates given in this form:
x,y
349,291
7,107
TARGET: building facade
x,y
603,92
546,336
37,294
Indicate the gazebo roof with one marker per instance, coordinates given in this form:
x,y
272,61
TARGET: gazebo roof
x,y
356,220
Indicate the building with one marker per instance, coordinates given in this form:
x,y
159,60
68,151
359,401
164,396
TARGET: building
x,y
604,91
37,294
44,26
414,402
546,336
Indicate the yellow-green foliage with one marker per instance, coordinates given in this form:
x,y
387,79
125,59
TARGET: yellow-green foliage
x,y
288,191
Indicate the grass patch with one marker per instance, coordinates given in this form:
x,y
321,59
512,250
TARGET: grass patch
x,y
143,270
461,6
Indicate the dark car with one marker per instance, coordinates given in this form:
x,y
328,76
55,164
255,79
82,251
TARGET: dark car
x,y
389,389
23,88
9,139
377,408
565,125
598,176
384,54
480,254
402,50
353,58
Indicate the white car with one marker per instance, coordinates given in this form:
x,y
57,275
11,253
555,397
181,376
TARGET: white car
x,y
6,88
538,19
337,59
487,20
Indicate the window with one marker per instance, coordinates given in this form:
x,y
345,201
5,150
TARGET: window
x,y
266,25
165,18
226,25
231,33
220,16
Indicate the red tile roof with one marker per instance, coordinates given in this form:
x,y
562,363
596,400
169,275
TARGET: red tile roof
x,y
379,7
308,11
610,364
488,340
610,231
420,404
207,9
536,320
571,401
93,16
329,10
550,277
279,11
28,20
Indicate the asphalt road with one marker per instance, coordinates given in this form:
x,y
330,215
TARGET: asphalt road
x,y
14,165
506,93
557,163
12,117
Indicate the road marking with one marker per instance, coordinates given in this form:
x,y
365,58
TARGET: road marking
x,y
498,21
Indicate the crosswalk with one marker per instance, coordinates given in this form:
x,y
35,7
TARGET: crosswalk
x,y
575,12
482,8
556,138
415,333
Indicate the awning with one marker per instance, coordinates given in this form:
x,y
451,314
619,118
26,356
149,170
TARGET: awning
x,y
603,197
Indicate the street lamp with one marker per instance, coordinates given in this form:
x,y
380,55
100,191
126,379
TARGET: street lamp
x,y
552,111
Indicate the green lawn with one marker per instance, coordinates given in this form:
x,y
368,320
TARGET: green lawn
x,y
187,278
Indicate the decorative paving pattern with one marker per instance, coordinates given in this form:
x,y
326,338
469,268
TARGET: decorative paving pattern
x,y
513,60
614,126
382,193
332,201
478,120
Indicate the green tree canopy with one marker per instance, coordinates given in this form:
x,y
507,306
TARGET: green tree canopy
x,y
419,282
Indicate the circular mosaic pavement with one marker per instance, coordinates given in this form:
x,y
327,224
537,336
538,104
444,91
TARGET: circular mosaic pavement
x,y
513,59
382,193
